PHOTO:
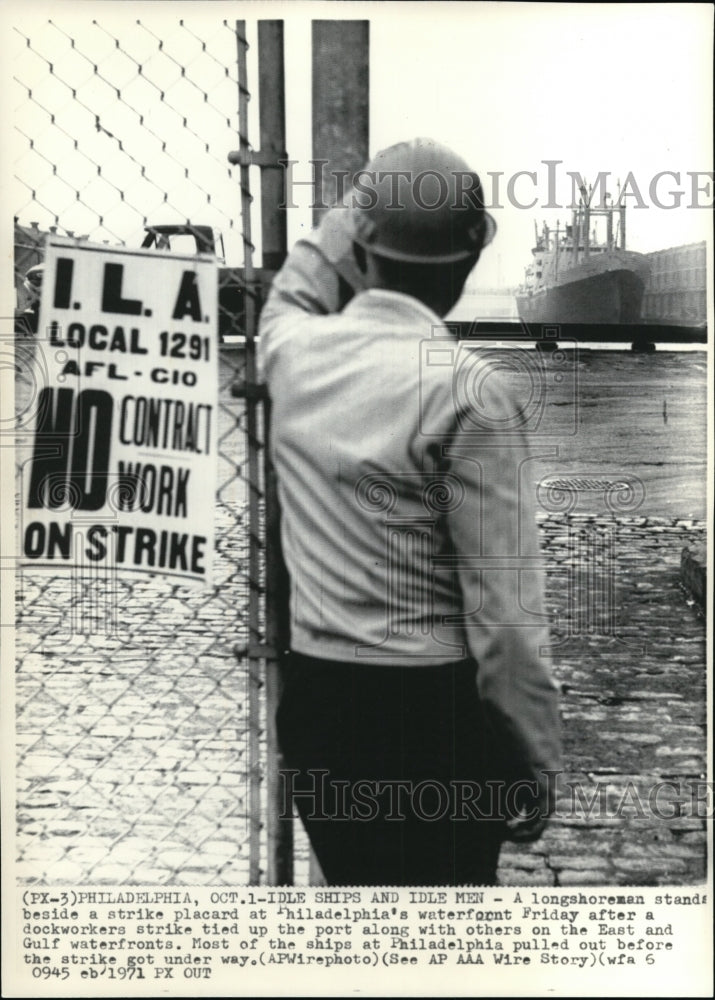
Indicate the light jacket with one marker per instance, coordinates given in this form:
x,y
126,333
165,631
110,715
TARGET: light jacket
x,y
406,490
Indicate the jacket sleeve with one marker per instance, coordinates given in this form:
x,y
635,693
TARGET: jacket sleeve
x,y
501,574
319,276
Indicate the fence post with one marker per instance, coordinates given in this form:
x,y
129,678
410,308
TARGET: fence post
x,y
271,115
279,819
254,652
341,105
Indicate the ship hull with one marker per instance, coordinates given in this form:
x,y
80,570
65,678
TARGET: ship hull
x,y
612,295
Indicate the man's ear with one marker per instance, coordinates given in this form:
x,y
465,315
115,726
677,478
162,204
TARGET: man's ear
x,y
360,257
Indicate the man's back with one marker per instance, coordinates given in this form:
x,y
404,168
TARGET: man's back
x,y
347,394
419,641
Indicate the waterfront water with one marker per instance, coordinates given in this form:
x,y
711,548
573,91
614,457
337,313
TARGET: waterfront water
x,y
611,415
480,307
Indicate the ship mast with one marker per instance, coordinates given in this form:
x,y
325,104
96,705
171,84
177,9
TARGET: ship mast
x,y
586,216
585,213
556,248
622,216
575,239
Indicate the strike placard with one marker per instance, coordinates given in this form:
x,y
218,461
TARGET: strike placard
x,y
123,466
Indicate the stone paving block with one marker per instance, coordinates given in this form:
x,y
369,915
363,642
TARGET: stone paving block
x,y
566,839
235,872
110,873
694,838
658,852
583,822
41,765
197,875
582,876
196,778
645,738
146,875
63,871
175,860
569,861
520,876
235,828
87,856
510,855
43,798
223,848
650,865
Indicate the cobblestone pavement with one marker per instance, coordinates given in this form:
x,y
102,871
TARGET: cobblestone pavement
x,y
634,715
133,768
131,764
132,746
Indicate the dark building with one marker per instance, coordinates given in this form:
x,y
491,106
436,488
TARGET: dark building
x,y
675,292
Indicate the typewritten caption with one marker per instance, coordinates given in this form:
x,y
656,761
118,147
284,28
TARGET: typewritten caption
x,y
111,940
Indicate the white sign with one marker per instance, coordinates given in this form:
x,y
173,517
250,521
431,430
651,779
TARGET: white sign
x,y
123,469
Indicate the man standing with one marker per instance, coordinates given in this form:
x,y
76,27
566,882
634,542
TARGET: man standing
x,y
419,722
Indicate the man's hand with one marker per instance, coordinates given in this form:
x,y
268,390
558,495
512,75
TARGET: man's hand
x,y
335,241
525,828
529,809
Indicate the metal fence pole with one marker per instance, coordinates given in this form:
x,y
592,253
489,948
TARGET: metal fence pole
x,y
341,105
278,819
272,128
271,86
254,473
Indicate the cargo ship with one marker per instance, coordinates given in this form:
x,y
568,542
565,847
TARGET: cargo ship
x,y
575,277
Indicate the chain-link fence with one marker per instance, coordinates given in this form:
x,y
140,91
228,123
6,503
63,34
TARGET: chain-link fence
x,y
141,719
140,724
